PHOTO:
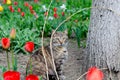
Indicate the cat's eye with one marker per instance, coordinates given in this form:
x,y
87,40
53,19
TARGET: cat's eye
x,y
64,38
57,39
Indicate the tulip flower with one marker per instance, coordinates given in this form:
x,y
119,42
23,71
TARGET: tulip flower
x,y
35,1
32,77
5,43
19,10
4,1
94,74
26,4
11,75
32,11
1,8
30,7
22,14
29,46
8,2
63,13
55,15
12,33
15,3
10,7
12,10
55,9
12,36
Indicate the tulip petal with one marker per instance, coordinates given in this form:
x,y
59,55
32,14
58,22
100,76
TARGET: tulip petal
x,y
94,74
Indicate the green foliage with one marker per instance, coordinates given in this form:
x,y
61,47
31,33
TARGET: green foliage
x,y
15,64
3,69
40,78
29,28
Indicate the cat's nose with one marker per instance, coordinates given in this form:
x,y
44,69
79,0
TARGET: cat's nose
x,y
64,50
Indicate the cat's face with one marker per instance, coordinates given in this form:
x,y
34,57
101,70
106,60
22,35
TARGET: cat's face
x,y
60,45
60,38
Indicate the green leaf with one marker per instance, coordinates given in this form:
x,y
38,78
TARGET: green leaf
x,y
15,64
3,69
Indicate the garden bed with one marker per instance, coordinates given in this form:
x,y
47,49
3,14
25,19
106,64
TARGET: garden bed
x,y
72,67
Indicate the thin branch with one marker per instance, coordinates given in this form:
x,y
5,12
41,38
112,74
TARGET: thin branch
x,y
82,75
43,52
52,38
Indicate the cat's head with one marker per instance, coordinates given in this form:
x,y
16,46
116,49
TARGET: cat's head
x,y
60,38
59,42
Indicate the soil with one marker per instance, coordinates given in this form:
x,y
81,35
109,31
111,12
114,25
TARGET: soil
x,y
72,68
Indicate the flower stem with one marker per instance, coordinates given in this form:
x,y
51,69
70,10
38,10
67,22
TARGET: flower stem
x,y
12,59
12,55
8,63
31,65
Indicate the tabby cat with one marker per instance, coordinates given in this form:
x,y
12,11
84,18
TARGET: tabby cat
x,y
60,54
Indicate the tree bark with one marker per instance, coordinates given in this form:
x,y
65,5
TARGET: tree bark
x,y
103,41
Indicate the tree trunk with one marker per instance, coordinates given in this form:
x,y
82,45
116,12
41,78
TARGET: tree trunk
x,y
103,41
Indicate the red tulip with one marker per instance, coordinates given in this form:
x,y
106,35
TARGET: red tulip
x,y
35,1
10,8
5,43
29,46
11,75
30,7
32,77
94,74
22,14
4,1
15,3
32,11
26,4
55,15
13,33
63,13
19,9
55,9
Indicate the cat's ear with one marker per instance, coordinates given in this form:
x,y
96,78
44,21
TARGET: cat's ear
x,y
66,31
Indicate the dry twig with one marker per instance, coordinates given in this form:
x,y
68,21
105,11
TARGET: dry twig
x,y
54,33
43,40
